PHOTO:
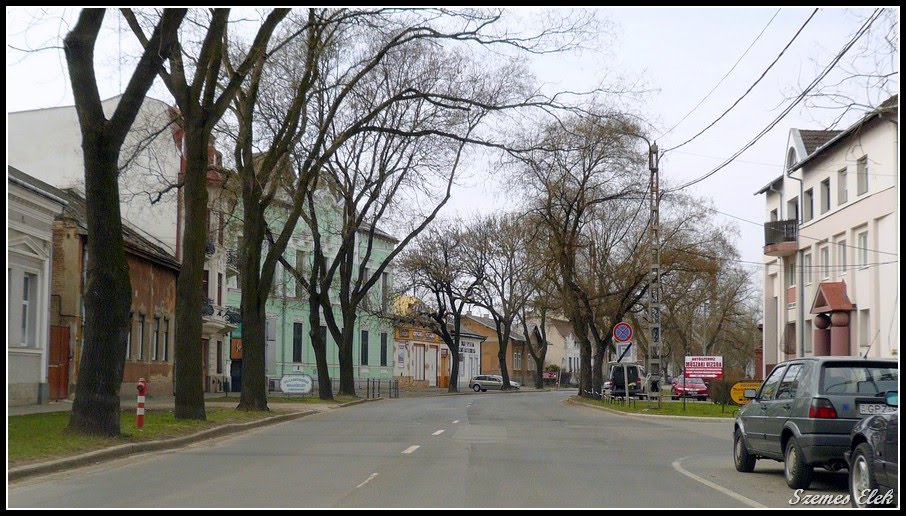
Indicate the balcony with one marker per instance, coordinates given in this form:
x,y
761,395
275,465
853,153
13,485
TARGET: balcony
x,y
217,319
781,237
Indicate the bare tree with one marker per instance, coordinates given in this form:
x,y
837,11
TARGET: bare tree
x,y
108,292
439,270
202,99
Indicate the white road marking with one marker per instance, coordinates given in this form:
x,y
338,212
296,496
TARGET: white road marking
x,y
748,501
438,432
455,421
411,449
366,480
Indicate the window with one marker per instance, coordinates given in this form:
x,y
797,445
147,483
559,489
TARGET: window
x,y
300,267
790,382
297,342
862,175
155,338
219,289
841,256
807,268
791,273
364,347
825,262
808,205
517,361
774,215
792,209
864,328
384,349
842,192
204,284
825,195
220,226
770,385
29,310
141,336
219,357
129,339
385,290
863,249
166,339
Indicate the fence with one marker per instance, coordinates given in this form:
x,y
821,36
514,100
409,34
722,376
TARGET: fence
x,y
367,387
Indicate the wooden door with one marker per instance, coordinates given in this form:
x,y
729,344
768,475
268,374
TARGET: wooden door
x,y
58,363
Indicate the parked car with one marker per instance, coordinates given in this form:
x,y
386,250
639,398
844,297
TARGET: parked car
x,y
804,411
874,469
483,382
635,374
689,388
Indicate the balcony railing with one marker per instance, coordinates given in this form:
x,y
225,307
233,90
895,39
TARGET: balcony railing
x,y
781,231
209,248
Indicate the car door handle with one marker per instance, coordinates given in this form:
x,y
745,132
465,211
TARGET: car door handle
x,y
764,407
786,407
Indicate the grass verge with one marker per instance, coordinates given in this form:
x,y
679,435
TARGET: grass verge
x,y
35,438
668,408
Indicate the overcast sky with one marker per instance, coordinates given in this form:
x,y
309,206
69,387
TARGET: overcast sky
x,y
679,54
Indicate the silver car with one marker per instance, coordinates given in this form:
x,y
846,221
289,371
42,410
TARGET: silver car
x,y
804,411
483,382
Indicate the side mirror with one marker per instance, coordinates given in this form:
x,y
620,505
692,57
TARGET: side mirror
x,y
748,394
893,398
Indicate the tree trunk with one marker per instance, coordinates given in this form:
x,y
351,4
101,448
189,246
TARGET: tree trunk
x,y
188,354
325,389
108,297
345,347
539,371
254,316
597,372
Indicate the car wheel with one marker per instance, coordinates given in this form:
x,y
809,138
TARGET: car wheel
x,y
744,461
476,387
674,398
862,479
702,399
798,474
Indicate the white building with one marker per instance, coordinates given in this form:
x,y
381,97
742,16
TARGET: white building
x,y
831,264
32,206
422,358
47,142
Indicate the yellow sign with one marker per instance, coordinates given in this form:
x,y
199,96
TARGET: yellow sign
x,y
736,392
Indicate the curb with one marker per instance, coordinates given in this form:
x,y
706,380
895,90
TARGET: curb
x,y
573,401
114,452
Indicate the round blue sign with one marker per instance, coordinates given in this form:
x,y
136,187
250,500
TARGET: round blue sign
x,y
622,332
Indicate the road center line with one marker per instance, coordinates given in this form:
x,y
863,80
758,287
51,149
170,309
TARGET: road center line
x,y
438,432
366,480
748,501
411,449
455,421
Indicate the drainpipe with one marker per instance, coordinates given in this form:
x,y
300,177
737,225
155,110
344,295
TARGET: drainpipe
x,y
800,288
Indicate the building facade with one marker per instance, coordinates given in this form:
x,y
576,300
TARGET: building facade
x,y
519,362
36,357
831,269
423,359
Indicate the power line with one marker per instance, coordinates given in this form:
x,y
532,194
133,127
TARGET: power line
x,y
786,111
763,74
723,78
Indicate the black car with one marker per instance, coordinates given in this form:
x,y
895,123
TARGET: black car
x,y
873,464
805,410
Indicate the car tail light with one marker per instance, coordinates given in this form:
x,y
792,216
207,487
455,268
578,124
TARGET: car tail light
x,y
822,409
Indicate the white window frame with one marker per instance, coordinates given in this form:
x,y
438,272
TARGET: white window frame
x,y
841,256
862,239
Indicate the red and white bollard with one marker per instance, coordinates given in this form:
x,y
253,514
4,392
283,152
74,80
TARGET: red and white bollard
x,y
141,387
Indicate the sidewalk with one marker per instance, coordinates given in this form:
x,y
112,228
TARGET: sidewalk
x,y
66,405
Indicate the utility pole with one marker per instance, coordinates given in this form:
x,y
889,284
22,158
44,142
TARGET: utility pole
x,y
654,282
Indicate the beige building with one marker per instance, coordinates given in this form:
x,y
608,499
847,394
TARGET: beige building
x,y
831,267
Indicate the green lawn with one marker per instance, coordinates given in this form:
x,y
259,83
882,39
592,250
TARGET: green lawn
x,y
669,408
288,399
37,437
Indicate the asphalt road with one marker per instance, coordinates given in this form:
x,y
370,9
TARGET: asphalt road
x,y
520,450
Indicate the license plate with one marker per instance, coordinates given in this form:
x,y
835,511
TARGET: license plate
x,y
875,408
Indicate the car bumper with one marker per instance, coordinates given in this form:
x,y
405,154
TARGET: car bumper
x,y
822,448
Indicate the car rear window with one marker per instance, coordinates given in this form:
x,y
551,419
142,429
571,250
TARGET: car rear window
x,y
858,378
696,381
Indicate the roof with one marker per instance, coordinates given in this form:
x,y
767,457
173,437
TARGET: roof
x,y
831,297
378,233
36,185
77,210
813,139
889,106
768,186
489,323
564,328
